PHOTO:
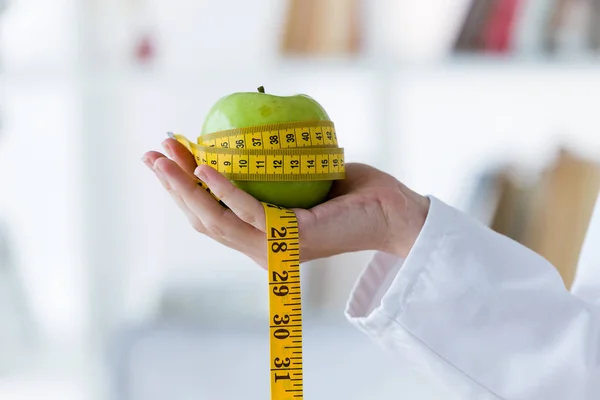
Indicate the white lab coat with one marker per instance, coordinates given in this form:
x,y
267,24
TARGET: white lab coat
x,y
484,315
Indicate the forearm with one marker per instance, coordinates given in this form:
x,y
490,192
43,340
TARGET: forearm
x,y
481,313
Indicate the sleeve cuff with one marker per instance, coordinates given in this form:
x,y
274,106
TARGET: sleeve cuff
x,y
383,288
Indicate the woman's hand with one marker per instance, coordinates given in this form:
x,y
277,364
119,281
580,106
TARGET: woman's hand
x,y
369,210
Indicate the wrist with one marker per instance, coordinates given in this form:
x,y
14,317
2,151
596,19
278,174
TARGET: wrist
x,y
407,219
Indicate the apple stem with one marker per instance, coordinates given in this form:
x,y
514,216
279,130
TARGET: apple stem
x,y
261,89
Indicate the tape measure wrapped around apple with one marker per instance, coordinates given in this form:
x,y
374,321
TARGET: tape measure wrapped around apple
x,y
282,150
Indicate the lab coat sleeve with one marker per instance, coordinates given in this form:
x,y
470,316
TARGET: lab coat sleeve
x,y
481,314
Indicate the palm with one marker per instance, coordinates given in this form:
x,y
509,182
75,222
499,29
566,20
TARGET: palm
x,y
354,218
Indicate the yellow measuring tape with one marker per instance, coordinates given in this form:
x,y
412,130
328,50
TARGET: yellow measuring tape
x,y
285,303
297,151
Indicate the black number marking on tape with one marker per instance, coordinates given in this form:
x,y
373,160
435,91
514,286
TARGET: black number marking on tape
x,y
285,363
281,233
281,291
278,377
277,320
281,333
279,246
282,277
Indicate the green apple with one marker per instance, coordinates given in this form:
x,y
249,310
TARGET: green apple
x,y
241,110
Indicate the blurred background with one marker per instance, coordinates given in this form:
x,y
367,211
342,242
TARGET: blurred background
x,y
105,290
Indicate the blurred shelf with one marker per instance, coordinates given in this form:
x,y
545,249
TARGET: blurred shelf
x,y
281,67
442,62
537,61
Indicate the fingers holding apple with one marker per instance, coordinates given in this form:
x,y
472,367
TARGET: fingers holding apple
x,y
205,214
218,221
180,154
149,160
329,229
242,204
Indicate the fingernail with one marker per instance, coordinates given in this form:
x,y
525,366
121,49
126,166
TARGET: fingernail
x,y
161,176
199,172
167,148
147,162
157,170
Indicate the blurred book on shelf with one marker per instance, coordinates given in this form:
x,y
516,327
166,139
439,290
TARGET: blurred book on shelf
x,y
549,214
487,26
562,205
530,27
323,27
510,215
